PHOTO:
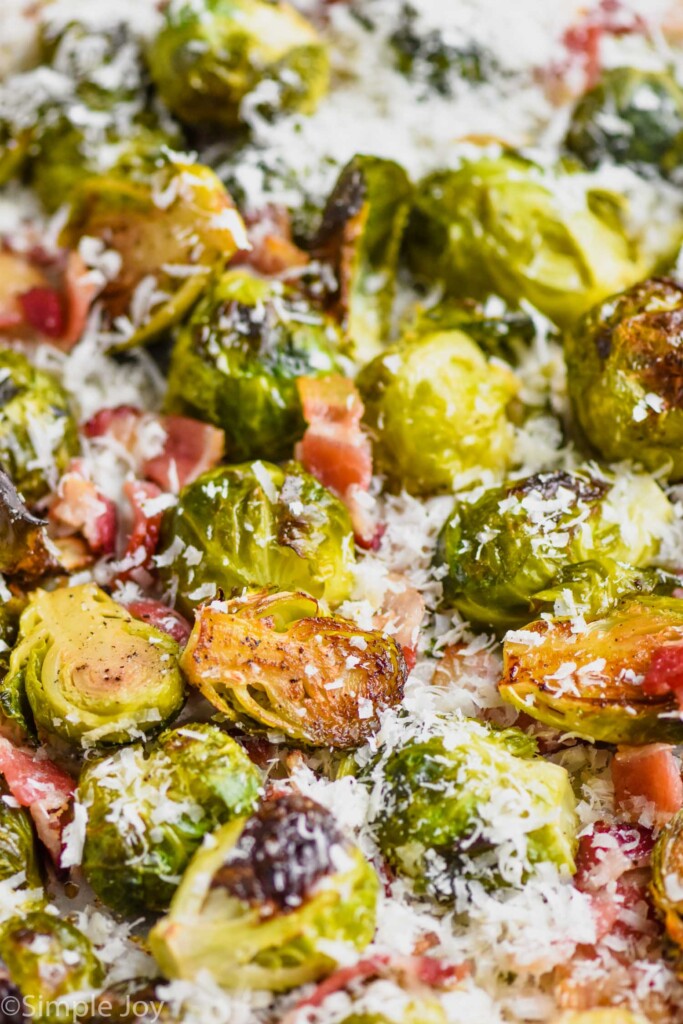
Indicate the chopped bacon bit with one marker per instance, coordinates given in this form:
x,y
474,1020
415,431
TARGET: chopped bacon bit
x,y
43,309
190,449
120,422
80,289
137,563
401,616
647,780
35,782
606,852
162,617
82,508
17,276
272,250
459,664
665,673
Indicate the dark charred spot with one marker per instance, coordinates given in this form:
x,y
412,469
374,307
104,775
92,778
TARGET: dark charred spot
x,y
603,343
284,849
8,391
345,202
547,485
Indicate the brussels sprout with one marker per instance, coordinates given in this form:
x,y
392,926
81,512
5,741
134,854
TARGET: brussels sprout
x,y
38,434
23,542
256,525
172,223
594,588
631,117
237,360
85,670
360,234
148,811
437,409
272,661
49,959
263,904
624,362
667,881
504,226
18,855
429,58
470,803
212,55
590,682
505,333
504,546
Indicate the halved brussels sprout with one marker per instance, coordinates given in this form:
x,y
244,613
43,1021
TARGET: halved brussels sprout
x,y
263,904
18,855
472,803
172,223
506,333
236,363
632,117
437,409
273,661
212,55
506,546
506,227
49,960
667,882
23,542
85,670
590,682
38,433
148,810
624,364
360,234
256,525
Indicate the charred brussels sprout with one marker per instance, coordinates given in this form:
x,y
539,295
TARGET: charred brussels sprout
x,y
38,434
273,661
472,803
667,881
591,682
211,56
237,360
262,904
49,959
505,227
632,117
24,548
360,235
148,811
624,365
508,545
86,671
172,224
497,330
437,409
19,859
256,525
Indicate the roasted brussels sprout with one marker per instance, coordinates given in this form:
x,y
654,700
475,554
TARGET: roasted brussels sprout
x,y
505,333
360,234
18,855
505,546
667,881
472,803
590,682
256,525
431,59
211,56
171,222
263,904
237,360
504,226
273,661
148,811
24,550
49,959
437,409
85,670
632,117
38,434
624,362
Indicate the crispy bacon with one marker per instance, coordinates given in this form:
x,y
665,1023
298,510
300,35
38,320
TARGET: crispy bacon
x,y
80,289
164,618
647,780
43,310
137,561
665,673
272,250
401,616
35,782
81,508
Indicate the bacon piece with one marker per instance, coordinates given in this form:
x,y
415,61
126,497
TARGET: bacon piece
x,y
401,616
17,276
272,250
82,508
80,288
137,563
190,449
647,778
164,618
43,310
35,782
606,852
665,673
